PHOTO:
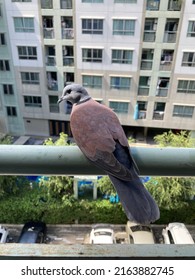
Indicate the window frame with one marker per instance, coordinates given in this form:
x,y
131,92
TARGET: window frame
x,y
128,27
120,55
92,24
31,79
92,81
181,111
118,82
27,52
32,101
25,24
94,55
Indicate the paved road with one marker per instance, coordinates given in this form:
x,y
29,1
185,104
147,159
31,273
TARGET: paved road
x,y
75,234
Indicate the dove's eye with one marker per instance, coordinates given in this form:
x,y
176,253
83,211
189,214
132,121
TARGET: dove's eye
x,y
68,91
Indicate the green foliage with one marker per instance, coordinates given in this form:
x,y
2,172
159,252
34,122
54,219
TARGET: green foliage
x,y
171,193
7,140
170,139
58,187
131,140
61,141
105,186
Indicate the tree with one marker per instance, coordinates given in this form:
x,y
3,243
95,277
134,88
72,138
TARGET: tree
x,y
105,186
172,192
11,184
58,187
170,139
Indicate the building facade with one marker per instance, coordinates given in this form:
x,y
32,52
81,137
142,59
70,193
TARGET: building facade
x,y
135,56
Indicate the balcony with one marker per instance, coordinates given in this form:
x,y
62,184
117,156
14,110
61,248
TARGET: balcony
x,y
68,78
150,29
52,83
67,30
170,33
162,87
37,159
147,59
50,55
48,28
68,55
159,110
166,60
152,5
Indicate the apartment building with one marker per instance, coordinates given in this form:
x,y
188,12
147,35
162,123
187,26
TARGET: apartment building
x,y
135,56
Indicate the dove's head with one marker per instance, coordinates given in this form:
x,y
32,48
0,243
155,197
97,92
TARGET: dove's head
x,y
75,94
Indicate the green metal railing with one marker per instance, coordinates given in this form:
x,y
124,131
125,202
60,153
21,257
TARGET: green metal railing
x,y
68,160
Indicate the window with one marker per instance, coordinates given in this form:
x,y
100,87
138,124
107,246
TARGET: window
x,y
4,65
92,81
2,39
27,53
92,1
24,24
183,111
119,107
120,83
123,27
11,111
186,86
30,78
126,1
191,29
32,101
92,26
92,55
122,56
188,59
8,89
53,105
193,1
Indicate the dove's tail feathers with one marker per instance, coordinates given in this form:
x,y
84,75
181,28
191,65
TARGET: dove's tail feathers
x,y
137,202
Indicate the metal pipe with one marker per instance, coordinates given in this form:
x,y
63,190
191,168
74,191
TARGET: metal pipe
x,y
68,160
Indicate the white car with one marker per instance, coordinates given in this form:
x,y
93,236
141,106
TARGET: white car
x,y
102,234
139,234
177,233
4,234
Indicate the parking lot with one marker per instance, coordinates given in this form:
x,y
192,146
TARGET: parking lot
x,y
76,234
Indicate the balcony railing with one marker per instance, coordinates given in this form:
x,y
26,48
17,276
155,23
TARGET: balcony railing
x,y
158,115
162,92
36,160
143,90
68,61
146,64
149,36
48,33
67,33
50,60
170,36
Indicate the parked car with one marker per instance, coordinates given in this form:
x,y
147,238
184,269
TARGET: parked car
x,y
33,232
4,234
139,234
177,233
102,234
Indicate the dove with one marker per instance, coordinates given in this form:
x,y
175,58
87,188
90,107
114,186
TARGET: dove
x,y
98,133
